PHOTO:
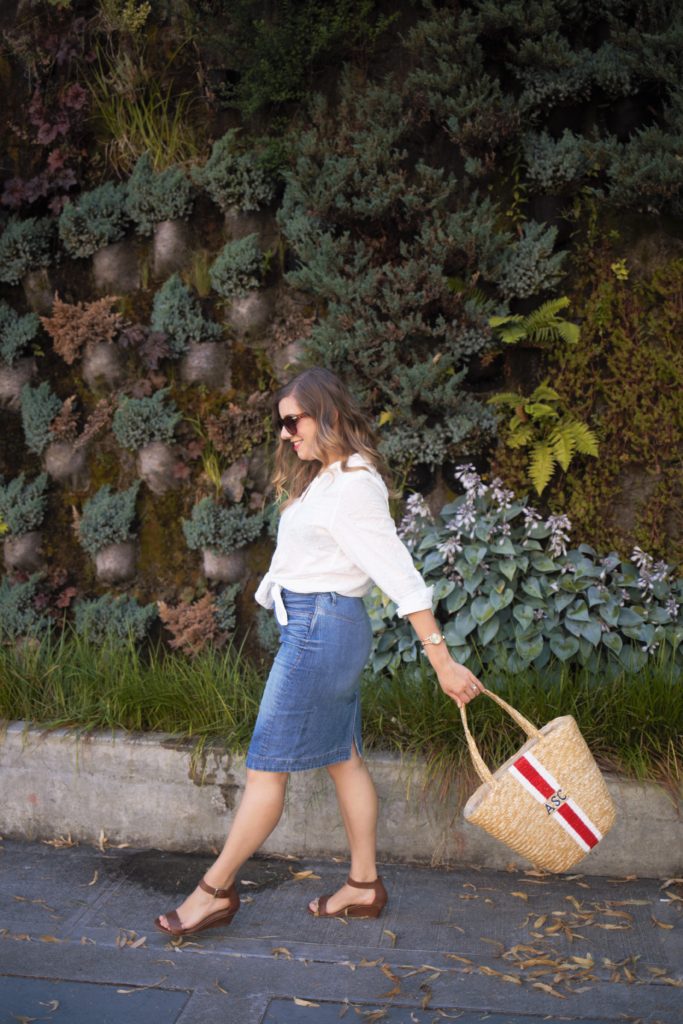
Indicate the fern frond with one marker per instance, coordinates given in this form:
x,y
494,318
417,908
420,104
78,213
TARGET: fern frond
x,y
506,398
546,313
544,393
563,443
539,410
521,437
541,465
586,441
569,332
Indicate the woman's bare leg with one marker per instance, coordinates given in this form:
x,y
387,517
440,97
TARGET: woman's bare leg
x,y
357,800
259,811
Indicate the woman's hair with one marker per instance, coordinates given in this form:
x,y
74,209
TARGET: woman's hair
x,y
341,427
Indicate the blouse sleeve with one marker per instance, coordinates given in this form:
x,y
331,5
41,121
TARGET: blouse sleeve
x,y
362,526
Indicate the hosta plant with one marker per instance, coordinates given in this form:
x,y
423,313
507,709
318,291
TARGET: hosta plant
x,y
510,594
551,435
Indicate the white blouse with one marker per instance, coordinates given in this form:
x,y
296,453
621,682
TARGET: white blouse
x,y
339,536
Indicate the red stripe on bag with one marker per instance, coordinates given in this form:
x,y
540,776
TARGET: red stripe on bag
x,y
534,777
579,825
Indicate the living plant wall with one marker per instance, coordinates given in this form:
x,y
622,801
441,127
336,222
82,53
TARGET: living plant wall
x,y
471,211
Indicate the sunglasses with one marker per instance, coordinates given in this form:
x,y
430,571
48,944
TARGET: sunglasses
x,y
290,422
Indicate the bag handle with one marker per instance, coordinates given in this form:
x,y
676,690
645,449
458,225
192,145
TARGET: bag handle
x,y
479,764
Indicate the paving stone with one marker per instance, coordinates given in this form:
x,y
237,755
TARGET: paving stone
x,y
67,1002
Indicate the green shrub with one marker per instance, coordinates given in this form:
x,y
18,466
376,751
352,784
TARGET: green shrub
x,y
279,48
24,245
234,179
237,268
23,505
554,165
177,314
152,197
95,219
225,610
39,406
16,333
19,616
529,265
107,518
139,421
117,617
221,529
512,595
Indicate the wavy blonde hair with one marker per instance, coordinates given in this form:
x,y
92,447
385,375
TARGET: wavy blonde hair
x,y
341,427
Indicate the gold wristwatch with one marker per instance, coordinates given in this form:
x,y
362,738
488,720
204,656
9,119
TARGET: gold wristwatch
x,y
433,638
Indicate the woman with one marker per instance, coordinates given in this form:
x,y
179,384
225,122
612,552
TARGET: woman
x,y
336,538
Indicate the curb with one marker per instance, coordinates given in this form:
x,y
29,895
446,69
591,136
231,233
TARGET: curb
x,y
147,790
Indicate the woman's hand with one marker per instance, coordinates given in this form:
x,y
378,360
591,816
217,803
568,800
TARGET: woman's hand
x,y
457,682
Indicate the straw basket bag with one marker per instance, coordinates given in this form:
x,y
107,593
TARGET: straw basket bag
x,y
549,801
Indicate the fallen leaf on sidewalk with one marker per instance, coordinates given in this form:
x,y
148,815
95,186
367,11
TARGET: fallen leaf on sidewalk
x,y
138,942
520,895
52,1005
60,841
660,924
394,978
304,1002
549,989
220,988
370,963
94,878
282,951
299,875
139,988
426,999
48,938
622,881
461,959
392,935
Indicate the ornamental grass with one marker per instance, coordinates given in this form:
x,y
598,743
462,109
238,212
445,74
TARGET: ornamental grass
x,y
633,723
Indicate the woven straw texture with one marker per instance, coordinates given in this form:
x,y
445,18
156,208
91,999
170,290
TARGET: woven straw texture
x,y
504,808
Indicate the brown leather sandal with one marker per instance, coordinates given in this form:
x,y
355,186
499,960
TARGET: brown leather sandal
x,y
373,909
219,917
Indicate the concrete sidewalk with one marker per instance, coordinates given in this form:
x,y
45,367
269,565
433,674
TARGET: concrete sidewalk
x,y
77,945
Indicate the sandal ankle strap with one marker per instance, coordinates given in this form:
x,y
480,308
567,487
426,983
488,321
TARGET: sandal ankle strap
x,y
218,894
363,885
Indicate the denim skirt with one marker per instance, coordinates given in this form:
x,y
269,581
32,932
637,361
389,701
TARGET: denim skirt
x,y
310,710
